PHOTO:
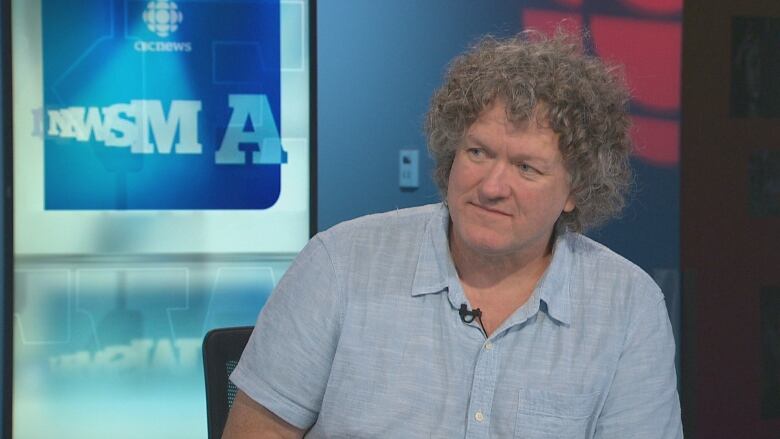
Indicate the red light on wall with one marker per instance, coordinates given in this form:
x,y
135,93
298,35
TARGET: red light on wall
x,y
656,141
650,51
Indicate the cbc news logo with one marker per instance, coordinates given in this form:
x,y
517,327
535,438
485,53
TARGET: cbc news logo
x,y
162,17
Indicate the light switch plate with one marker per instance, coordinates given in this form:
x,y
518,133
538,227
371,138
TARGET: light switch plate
x,y
409,169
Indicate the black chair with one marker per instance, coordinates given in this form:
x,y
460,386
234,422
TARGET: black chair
x,y
222,349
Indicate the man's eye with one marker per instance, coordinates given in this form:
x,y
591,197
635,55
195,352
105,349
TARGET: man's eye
x,y
526,168
476,152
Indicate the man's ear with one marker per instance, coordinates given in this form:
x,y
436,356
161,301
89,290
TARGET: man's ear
x,y
570,204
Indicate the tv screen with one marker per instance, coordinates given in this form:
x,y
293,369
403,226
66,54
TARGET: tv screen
x,y
161,184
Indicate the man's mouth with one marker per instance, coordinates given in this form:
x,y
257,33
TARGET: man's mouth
x,y
490,209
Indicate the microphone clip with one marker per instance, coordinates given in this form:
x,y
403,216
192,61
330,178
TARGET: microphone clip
x,y
467,316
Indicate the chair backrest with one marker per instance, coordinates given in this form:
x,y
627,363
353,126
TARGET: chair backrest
x,y
222,349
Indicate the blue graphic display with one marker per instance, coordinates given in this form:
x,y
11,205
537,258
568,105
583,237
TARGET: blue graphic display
x,y
161,105
188,121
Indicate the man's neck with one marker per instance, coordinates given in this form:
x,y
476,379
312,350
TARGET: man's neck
x,y
498,284
484,270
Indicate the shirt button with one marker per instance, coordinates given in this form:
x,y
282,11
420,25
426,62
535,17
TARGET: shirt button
x,y
479,416
488,345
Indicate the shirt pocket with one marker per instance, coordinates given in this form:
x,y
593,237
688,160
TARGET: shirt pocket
x,y
543,414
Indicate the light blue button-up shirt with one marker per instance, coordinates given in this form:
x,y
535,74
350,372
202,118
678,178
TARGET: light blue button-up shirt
x,y
362,338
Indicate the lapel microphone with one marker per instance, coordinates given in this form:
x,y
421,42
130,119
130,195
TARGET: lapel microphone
x,y
467,316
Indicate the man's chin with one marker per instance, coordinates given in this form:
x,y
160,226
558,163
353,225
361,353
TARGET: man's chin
x,y
488,247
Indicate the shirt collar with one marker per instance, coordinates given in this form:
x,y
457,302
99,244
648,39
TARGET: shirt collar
x,y
435,271
431,273
553,288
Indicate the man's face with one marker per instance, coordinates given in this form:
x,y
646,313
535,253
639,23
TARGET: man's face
x,y
507,187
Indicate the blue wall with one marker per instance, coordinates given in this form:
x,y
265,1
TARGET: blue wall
x,y
378,64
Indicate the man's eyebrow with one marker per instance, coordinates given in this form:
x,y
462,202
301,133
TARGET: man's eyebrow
x,y
537,161
476,140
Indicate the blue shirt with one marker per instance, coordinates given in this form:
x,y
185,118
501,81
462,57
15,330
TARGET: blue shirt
x,y
362,338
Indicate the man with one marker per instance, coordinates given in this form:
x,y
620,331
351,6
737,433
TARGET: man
x,y
488,315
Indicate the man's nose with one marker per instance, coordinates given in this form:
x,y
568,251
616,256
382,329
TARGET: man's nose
x,y
494,184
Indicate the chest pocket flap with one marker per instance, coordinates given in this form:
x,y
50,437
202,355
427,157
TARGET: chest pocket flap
x,y
543,414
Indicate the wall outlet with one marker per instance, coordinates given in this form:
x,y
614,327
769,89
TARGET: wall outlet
x,y
409,169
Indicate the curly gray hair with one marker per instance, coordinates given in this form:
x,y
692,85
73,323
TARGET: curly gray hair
x,y
583,100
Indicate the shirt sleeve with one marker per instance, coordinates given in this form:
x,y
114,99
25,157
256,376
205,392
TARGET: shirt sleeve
x,y
642,401
287,361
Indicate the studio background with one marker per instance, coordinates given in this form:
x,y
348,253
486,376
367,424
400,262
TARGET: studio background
x,y
377,66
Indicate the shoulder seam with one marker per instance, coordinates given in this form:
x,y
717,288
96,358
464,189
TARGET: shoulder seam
x,y
342,299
